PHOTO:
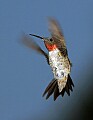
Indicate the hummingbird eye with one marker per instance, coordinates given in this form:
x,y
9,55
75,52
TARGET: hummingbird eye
x,y
51,39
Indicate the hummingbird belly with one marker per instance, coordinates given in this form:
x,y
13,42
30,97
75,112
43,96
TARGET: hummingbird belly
x,y
59,64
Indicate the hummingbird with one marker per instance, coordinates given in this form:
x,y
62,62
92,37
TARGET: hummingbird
x,y
57,58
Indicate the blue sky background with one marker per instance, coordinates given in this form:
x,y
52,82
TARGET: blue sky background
x,y
25,74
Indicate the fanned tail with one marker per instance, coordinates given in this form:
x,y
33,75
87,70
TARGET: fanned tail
x,y
53,88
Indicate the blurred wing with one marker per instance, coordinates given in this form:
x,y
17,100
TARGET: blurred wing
x,y
57,35
28,41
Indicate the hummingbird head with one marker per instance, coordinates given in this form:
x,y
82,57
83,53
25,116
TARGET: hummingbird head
x,y
49,42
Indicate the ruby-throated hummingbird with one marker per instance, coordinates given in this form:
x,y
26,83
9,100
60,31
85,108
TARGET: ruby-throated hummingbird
x,y
57,58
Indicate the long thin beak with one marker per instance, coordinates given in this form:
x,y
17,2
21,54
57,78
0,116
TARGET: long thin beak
x,y
37,36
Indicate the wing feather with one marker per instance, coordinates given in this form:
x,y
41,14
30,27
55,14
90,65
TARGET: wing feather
x,y
57,36
29,42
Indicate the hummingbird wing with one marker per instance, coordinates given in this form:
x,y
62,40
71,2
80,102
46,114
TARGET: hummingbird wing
x,y
57,36
29,42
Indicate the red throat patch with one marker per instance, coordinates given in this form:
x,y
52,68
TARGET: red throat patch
x,y
50,47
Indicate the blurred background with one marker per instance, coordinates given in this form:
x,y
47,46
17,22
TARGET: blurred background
x,y
25,74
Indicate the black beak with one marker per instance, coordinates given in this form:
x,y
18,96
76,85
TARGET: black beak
x,y
36,36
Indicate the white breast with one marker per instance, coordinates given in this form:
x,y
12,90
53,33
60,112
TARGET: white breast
x,y
56,61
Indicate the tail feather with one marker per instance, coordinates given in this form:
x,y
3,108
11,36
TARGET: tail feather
x,y
69,85
53,87
62,92
49,86
67,90
70,80
51,90
56,92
